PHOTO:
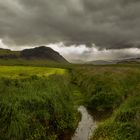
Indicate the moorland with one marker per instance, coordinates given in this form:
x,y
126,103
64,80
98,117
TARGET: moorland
x,y
39,98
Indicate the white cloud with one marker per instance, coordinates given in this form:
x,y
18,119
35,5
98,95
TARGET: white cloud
x,y
84,53
2,45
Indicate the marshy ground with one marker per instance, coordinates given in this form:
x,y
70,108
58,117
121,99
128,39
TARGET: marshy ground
x,y
39,103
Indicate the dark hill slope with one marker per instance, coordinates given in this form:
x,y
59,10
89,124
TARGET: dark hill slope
x,y
42,53
38,53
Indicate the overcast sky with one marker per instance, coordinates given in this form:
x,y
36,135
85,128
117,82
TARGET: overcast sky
x,y
77,24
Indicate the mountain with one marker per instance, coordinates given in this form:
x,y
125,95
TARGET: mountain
x,y
38,53
101,62
120,61
77,61
129,60
42,52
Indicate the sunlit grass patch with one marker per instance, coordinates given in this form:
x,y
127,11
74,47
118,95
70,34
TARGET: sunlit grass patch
x,y
25,71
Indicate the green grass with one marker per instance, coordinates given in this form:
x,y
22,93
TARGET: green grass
x,y
111,94
35,62
124,123
77,96
40,103
36,106
8,52
24,71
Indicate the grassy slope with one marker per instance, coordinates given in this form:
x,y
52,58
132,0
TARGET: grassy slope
x,y
35,62
34,106
112,93
8,52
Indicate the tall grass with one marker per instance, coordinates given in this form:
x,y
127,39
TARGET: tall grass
x,y
124,124
112,93
40,103
36,108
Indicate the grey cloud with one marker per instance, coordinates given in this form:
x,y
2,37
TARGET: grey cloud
x,y
107,23
82,53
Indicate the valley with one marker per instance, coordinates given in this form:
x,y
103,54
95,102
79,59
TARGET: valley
x,y
69,69
45,100
42,102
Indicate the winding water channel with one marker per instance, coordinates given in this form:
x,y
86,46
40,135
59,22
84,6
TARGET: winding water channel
x,y
85,127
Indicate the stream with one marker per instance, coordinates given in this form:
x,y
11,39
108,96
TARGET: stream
x,y
85,127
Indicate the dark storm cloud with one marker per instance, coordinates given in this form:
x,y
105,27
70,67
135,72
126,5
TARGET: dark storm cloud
x,y
107,23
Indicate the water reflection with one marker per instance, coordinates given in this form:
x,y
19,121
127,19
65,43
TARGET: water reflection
x,y
85,127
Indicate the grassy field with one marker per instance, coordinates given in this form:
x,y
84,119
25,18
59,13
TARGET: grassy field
x,y
35,62
24,71
40,103
112,95
35,103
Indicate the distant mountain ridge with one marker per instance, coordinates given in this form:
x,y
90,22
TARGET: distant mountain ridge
x,y
38,53
100,62
109,62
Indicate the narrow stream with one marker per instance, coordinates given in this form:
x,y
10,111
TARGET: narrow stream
x,y
85,127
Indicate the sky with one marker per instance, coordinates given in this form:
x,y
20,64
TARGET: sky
x,y
83,30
